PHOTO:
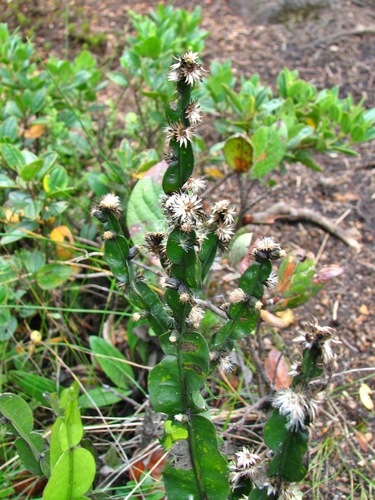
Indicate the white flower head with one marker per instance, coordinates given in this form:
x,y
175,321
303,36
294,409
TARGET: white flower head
x,y
224,232
194,185
195,316
193,113
272,281
293,405
267,248
108,203
226,365
238,295
290,491
183,208
186,69
222,212
244,466
180,133
109,235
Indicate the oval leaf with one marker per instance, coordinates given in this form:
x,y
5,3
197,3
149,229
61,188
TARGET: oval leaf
x,y
238,153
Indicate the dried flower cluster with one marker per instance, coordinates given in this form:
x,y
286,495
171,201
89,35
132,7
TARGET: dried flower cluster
x,y
319,338
186,69
267,248
244,466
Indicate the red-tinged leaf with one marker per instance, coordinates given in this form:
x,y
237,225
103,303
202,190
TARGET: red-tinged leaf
x,y
286,271
277,369
238,153
327,273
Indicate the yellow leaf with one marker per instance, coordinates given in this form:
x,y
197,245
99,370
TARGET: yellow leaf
x,y
34,131
310,122
213,172
59,233
11,216
139,175
365,396
286,316
363,309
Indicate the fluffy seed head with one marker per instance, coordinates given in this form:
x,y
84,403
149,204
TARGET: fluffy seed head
x,y
180,133
186,69
110,203
266,248
193,113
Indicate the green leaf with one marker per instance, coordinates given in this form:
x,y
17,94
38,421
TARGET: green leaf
x,y
55,446
6,182
165,387
9,129
296,282
369,116
101,397
72,476
305,158
71,430
118,78
53,275
55,180
34,261
208,253
269,150
18,412
8,325
33,385
238,153
194,360
26,455
150,47
290,447
112,362
178,245
116,253
358,133
33,209
12,156
18,231
180,169
144,213
296,138
234,98
189,270
208,479
254,275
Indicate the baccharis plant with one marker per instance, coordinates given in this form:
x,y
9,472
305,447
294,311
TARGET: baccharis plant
x,y
197,468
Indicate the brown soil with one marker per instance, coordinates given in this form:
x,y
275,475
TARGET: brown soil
x,y
347,185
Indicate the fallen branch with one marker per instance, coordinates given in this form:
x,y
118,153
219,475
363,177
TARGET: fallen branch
x,y
339,34
283,210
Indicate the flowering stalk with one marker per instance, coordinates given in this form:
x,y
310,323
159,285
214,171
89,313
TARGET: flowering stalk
x,y
186,251
287,430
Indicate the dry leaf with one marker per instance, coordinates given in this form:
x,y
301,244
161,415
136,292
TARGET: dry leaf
x,y
34,131
362,441
275,362
282,320
363,309
365,396
59,233
213,172
286,316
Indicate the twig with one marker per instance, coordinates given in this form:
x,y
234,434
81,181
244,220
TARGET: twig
x,y
339,34
283,210
264,401
258,363
211,307
217,184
